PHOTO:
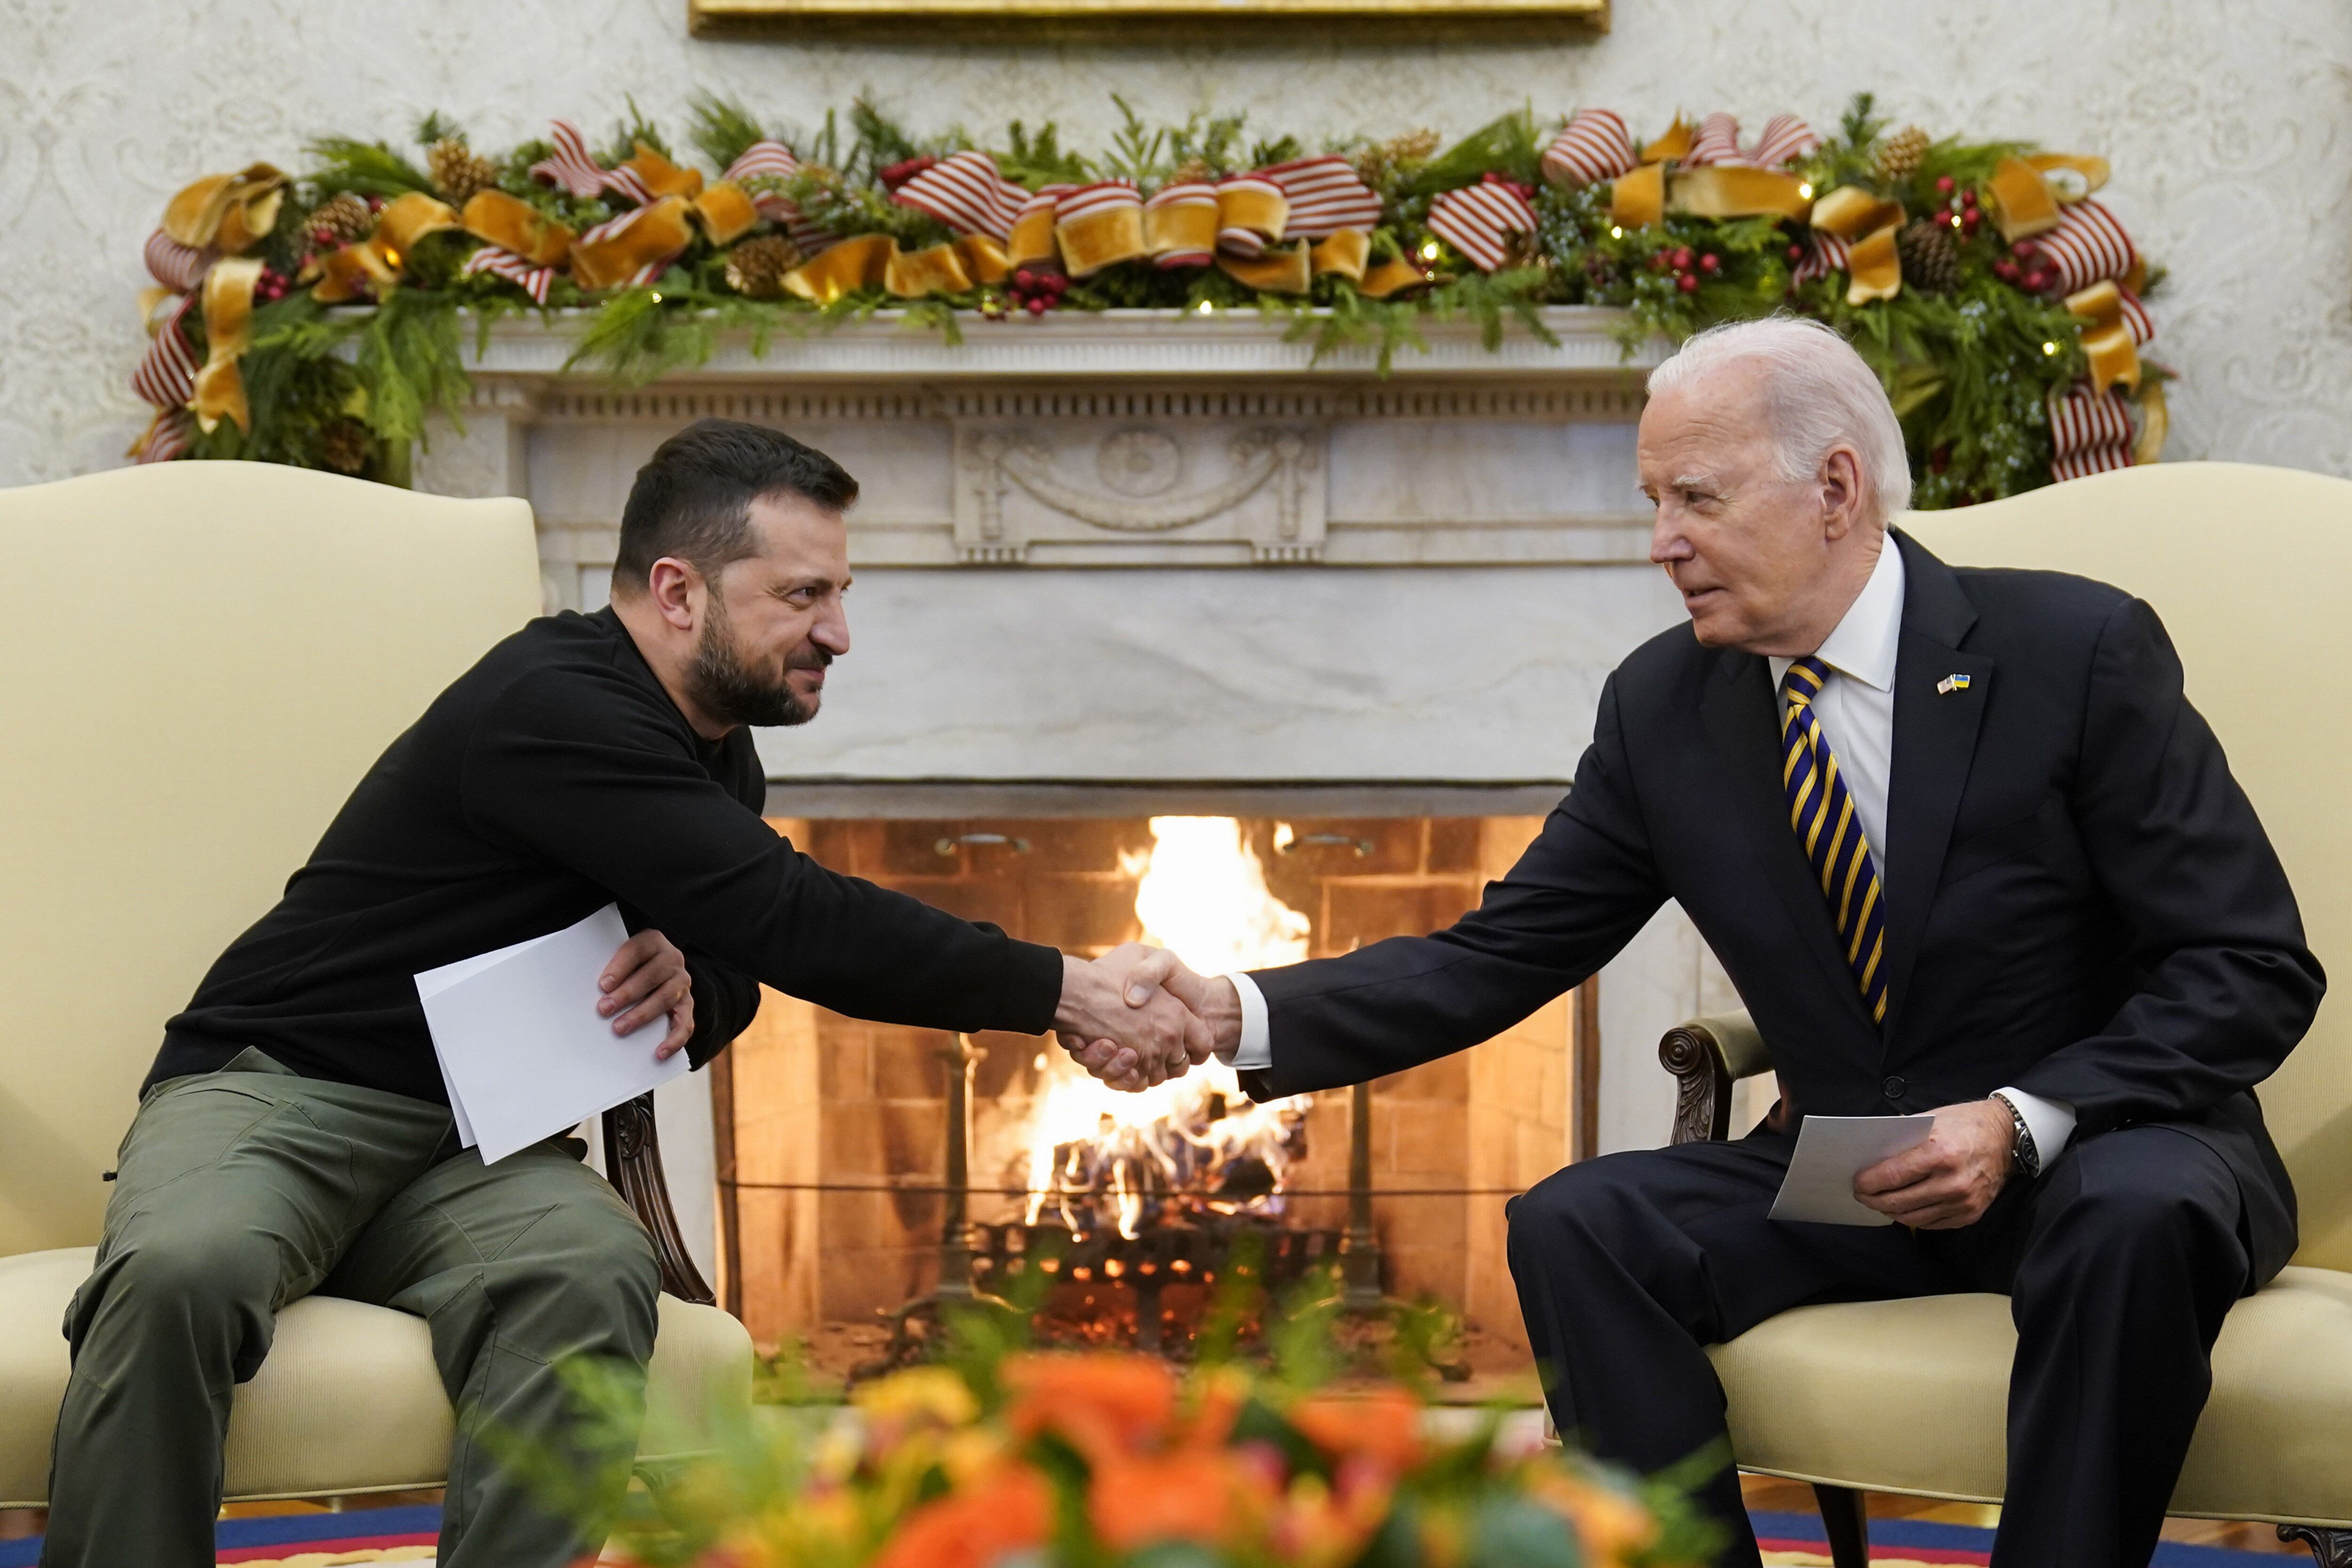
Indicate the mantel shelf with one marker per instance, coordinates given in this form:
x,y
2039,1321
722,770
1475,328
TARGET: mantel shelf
x,y
1086,345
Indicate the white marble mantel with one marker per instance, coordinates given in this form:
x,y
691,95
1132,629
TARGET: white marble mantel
x,y
1119,438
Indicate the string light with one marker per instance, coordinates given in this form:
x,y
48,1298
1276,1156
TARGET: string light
x,y
1615,232
1205,308
1805,191
2049,348
1429,251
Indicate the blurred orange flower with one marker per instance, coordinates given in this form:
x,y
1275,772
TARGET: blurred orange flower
x,y
1188,1495
1609,1525
1010,1509
1103,1405
1383,1426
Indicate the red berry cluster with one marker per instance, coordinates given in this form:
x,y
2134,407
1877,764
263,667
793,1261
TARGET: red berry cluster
x,y
1687,266
2028,268
1961,210
1037,292
271,285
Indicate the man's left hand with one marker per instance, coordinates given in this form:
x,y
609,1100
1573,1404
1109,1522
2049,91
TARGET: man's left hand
x,y
1951,1179
646,979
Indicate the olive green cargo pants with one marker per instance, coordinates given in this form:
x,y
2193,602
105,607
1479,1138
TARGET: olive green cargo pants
x,y
243,1190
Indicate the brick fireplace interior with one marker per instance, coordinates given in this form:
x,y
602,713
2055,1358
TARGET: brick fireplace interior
x,y
808,1100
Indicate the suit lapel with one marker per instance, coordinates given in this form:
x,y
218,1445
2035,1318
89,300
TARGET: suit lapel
x,y
1935,741
1743,726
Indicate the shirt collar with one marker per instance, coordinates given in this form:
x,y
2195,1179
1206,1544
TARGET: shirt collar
x,y
1864,644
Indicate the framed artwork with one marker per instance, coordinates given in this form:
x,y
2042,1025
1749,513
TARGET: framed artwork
x,y
1143,21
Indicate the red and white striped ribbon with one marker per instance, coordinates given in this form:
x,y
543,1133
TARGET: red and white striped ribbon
x,y
965,192
1076,202
571,165
2136,317
774,160
1324,195
2090,432
167,439
1245,243
1786,139
1184,194
1593,146
500,262
1477,220
166,376
1825,254
2087,244
179,267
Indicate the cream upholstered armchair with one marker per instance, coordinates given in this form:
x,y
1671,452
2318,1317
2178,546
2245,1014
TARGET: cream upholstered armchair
x,y
201,660
2244,563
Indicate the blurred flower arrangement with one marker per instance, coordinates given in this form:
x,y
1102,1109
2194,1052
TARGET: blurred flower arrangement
x,y
1000,1457
315,319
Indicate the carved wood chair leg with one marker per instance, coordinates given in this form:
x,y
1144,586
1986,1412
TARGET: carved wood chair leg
x,y
2329,1548
1845,1524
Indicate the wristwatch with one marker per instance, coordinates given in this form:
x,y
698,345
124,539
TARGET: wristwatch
x,y
2028,1157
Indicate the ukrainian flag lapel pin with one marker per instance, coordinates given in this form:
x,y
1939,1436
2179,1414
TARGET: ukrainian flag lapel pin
x,y
1951,683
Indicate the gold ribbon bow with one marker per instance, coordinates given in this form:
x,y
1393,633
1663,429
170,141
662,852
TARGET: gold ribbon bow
x,y
2028,192
875,261
229,332
226,213
2107,340
373,264
1868,224
1645,196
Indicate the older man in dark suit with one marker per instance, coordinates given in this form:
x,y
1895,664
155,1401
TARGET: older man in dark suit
x,y
1964,847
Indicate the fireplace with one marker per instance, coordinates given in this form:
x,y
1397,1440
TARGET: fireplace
x,y
1372,604
835,1159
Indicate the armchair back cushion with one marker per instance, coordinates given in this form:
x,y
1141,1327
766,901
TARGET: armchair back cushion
x,y
2238,560
202,660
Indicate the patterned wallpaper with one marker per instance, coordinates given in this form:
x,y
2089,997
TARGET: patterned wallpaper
x,y
2230,126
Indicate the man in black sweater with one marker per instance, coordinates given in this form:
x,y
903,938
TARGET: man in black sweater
x,y
294,1135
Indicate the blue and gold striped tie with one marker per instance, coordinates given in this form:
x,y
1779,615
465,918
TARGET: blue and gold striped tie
x,y
1821,809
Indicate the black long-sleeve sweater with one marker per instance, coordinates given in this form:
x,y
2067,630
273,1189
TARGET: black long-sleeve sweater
x,y
554,777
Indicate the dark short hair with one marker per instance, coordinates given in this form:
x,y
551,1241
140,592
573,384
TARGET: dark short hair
x,y
693,499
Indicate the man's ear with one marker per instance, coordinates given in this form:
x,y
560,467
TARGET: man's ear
x,y
673,586
1841,483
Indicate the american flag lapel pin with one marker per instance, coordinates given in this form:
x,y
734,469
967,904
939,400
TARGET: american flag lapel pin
x,y
1951,683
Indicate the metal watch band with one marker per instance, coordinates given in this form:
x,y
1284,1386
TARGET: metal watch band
x,y
2028,1157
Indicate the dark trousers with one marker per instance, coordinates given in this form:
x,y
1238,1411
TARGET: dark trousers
x,y
2119,1263
243,1190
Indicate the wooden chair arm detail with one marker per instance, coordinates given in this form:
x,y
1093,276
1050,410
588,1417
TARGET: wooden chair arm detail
x,y
1708,1056
633,1163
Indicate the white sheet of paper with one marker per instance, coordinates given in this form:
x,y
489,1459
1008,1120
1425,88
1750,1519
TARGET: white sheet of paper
x,y
522,1050
1832,1151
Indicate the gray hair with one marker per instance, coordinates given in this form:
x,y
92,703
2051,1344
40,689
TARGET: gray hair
x,y
1821,393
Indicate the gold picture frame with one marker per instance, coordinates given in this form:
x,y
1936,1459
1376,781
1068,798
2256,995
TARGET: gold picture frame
x,y
1143,21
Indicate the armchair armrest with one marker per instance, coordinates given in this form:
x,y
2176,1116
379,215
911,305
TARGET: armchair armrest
x,y
633,1161
1708,1056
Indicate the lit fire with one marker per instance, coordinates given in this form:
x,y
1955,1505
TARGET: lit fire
x,y
1203,894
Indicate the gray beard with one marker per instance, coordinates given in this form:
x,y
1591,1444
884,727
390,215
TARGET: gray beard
x,y
724,689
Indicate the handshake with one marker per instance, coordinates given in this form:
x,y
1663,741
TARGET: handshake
x,y
1137,1016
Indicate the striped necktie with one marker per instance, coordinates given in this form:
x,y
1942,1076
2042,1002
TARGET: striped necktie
x,y
1821,809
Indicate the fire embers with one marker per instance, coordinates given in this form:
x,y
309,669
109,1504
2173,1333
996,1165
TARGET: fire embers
x,y
1208,1154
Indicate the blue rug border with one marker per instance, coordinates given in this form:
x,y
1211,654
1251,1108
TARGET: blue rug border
x,y
275,1530
1807,1527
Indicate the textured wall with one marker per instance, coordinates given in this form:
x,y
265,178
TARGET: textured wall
x,y
2227,123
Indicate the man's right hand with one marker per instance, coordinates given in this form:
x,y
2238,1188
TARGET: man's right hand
x,y
1129,1031
1154,973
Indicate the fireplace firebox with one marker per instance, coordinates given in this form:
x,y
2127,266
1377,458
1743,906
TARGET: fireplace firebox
x,y
863,1167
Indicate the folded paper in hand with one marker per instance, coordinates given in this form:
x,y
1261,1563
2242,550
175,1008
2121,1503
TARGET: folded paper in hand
x,y
524,1054
1832,1151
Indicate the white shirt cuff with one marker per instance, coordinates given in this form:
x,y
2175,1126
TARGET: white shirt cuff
x,y
1255,1051
2052,1121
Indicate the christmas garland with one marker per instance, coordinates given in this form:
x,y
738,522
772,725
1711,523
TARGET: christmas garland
x,y
315,319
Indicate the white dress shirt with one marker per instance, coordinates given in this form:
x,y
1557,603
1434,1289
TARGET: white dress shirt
x,y
1856,708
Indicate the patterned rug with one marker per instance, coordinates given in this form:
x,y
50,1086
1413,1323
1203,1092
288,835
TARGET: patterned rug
x,y
1796,1539
407,1535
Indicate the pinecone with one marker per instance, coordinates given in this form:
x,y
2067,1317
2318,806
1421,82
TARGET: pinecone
x,y
756,268
343,219
457,173
1900,153
1382,158
346,447
1191,171
1931,256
